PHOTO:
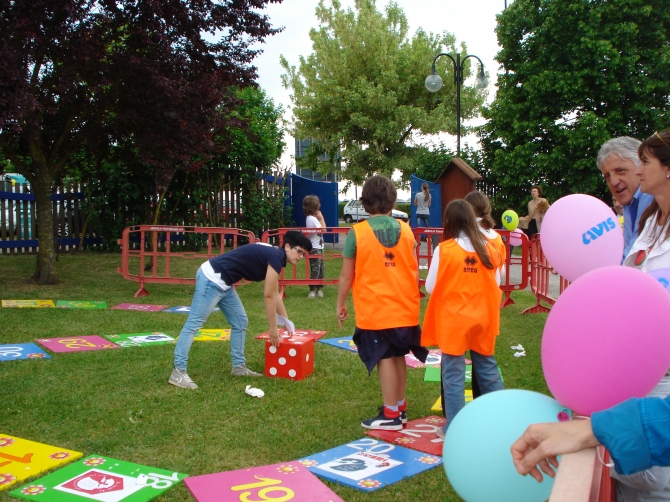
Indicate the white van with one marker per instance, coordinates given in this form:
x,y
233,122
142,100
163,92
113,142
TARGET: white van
x,y
354,211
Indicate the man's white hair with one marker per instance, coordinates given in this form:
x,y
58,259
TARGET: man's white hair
x,y
624,147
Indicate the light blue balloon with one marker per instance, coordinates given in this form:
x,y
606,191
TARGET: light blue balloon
x,y
477,456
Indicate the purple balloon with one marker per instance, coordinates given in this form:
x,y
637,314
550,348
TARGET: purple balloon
x,y
606,339
662,275
581,233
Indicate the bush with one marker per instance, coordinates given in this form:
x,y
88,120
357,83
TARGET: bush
x,y
340,209
405,207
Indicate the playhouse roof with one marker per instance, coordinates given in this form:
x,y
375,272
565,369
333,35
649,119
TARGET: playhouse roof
x,y
464,167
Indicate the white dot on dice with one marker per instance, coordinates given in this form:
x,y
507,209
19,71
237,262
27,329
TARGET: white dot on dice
x,y
292,352
273,371
282,361
291,373
273,349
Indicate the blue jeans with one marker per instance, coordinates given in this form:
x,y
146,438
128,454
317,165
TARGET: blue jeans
x,y
453,380
206,297
425,218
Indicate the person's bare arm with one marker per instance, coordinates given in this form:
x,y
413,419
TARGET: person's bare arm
x,y
273,304
540,444
345,282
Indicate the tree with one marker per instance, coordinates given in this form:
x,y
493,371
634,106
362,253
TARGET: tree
x,y
576,73
129,73
252,154
361,93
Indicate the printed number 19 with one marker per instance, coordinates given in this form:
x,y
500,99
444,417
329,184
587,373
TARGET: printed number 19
x,y
267,482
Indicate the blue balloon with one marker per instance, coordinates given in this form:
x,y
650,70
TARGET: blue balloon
x,y
477,456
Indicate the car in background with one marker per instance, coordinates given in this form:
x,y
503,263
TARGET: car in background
x,y
354,211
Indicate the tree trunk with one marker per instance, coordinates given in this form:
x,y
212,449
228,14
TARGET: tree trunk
x,y
45,273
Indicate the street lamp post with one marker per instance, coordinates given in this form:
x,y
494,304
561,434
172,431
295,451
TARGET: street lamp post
x,y
434,84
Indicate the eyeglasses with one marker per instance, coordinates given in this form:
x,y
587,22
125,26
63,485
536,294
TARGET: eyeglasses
x,y
301,252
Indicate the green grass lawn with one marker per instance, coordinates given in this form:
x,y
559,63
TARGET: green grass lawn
x,y
118,403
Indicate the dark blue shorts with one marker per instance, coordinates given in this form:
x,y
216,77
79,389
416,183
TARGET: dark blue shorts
x,y
376,344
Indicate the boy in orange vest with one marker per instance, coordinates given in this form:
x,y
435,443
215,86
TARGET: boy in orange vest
x,y
381,266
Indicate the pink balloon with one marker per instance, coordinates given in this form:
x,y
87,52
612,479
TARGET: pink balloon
x,y
515,237
606,339
581,233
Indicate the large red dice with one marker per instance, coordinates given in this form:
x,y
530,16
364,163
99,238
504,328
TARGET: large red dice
x,y
293,359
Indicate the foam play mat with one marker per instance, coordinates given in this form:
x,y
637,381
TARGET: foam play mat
x,y
16,351
139,307
28,304
140,339
345,343
183,309
434,358
212,335
368,464
420,434
21,459
433,373
77,304
308,333
438,404
76,344
103,479
286,481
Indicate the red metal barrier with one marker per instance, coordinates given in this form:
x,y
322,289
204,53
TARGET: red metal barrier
x,y
505,285
152,244
276,236
539,278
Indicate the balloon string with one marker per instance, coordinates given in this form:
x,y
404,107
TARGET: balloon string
x,y
600,457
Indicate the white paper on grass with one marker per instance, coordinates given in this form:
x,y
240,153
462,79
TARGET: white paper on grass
x,y
254,392
283,321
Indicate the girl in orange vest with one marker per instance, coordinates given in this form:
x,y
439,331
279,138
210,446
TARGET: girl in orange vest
x,y
380,264
482,206
464,308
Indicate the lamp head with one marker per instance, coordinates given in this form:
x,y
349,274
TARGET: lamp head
x,y
482,82
433,82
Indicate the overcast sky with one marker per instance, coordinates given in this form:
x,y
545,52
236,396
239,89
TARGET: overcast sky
x,y
472,22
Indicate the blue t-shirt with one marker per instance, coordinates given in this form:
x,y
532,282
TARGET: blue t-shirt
x,y
248,262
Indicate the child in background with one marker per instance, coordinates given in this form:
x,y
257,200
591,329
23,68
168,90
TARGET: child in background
x,y
311,206
482,207
464,308
380,264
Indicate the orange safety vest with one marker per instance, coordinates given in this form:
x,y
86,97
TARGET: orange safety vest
x,y
464,310
385,289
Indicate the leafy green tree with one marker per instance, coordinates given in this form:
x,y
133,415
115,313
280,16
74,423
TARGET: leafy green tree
x,y
360,95
575,74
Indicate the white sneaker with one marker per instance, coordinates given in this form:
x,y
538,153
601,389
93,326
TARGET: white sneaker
x,y
312,294
242,370
181,379
319,293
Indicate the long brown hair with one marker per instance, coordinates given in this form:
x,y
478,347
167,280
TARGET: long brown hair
x,y
482,207
460,217
658,146
426,193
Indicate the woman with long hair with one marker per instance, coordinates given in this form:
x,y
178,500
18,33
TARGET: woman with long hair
x,y
422,202
651,250
464,308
